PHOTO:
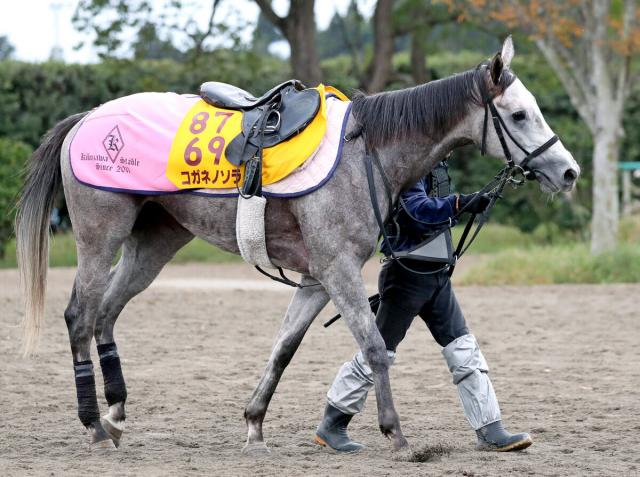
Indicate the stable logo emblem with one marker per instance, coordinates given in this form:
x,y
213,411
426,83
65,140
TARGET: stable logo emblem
x,y
113,144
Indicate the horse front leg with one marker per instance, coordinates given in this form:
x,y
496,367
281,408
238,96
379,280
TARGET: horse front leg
x,y
343,281
304,307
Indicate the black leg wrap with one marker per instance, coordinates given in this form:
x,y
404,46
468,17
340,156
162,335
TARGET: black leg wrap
x,y
86,391
114,388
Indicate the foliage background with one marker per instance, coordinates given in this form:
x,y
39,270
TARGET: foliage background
x,y
13,154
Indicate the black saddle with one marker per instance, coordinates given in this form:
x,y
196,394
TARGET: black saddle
x,y
227,96
276,116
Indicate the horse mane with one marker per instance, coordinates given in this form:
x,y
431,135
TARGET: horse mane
x,y
431,109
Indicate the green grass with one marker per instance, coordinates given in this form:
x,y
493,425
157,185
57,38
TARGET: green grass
x,y
564,262
557,264
200,251
63,253
495,238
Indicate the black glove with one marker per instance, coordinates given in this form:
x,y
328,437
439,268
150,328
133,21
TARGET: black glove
x,y
473,203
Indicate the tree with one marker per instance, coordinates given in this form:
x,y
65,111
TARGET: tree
x,y
6,48
590,45
381,65
264,35
346,34
395,19
416,18
113,20
299,28
150,46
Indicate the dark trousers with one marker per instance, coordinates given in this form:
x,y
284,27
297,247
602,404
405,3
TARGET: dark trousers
x,y
405,295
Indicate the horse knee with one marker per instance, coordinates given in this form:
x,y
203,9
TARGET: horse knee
x,y
285,349
378,358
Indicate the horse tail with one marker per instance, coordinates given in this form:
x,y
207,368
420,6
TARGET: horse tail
x,y
42,184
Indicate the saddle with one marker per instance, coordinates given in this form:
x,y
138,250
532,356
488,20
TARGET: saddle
x,y
281,113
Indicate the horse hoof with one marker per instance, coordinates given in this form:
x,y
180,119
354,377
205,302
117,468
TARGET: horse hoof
x,y
113,429
106,444
404,454
256,449
400,444
100,440
99,437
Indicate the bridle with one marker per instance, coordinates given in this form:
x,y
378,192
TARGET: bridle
x,y
500,126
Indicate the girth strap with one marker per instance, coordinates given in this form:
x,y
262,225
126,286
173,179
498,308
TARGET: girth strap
x,y
284,279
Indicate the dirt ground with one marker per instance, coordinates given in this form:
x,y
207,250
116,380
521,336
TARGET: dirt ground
x,y
565,363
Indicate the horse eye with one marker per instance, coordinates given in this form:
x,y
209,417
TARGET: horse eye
x,y
519,116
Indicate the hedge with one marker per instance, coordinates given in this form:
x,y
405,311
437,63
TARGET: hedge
x,y
13,155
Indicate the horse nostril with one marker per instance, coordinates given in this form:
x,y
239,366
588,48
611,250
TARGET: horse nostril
x,y
570,176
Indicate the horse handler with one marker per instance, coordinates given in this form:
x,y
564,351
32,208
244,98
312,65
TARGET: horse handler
x,y
412,290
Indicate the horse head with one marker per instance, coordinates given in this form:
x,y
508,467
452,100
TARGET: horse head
x,y
510,125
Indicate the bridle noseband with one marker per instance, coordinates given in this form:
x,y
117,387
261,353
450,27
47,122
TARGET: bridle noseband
x,y
500,126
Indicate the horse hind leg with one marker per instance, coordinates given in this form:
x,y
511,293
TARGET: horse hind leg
x,y
304,307
91,281
155,239
102,221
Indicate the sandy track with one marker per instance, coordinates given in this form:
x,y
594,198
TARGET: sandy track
x,y
565,363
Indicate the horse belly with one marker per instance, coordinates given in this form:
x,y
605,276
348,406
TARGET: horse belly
x,y
213,219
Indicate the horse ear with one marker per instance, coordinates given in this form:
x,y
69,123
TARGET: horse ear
x,y
508,51
496,68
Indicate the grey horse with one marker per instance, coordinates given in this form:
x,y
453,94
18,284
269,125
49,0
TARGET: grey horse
x,y
326,235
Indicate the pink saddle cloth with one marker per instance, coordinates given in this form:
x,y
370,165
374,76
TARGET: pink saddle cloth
x,y
123,146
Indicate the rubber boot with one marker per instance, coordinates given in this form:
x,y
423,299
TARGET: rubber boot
x,y
493,437
332,431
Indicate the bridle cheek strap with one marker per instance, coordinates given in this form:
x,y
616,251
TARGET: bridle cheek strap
x,y
485,123
499,125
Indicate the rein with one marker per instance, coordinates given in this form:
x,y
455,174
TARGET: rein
x,y
369,161
493,189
